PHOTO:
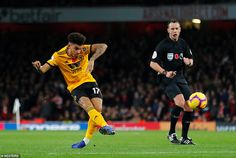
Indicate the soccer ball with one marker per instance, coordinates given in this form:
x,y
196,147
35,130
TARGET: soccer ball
x,y
197,100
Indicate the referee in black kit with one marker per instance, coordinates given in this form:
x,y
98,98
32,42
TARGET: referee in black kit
x,y
169,60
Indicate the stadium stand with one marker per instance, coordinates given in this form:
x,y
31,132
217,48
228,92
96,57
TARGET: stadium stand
x,y
129,86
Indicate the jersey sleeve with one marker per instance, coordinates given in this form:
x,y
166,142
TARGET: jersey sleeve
x,y
158,53
87,49
188,52
53,61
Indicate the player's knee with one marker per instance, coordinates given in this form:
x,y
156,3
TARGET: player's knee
x,y
97,103
98,108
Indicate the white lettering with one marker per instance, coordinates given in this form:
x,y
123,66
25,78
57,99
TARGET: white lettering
x,y
33,15
51,127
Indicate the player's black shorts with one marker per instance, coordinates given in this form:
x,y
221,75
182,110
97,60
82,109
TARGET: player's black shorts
x,y
88,89
175,86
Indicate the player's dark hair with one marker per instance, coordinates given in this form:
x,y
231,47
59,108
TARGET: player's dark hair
x,y
76,38
173,21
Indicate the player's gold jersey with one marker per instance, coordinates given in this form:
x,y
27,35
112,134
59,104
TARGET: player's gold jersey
x,y
73,69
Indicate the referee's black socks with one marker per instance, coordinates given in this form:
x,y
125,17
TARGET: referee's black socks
x,y
187,118
174,118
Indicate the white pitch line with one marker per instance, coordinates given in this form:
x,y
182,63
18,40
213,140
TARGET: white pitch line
x,y
157,152
148,153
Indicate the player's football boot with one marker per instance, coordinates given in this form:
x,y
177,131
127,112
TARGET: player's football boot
x,y
186,141
78,145
173,138
106,130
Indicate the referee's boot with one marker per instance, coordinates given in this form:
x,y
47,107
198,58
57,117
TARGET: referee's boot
x,y
186,141
173,138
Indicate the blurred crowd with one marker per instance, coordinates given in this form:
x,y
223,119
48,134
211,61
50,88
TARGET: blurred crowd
x,y
130,88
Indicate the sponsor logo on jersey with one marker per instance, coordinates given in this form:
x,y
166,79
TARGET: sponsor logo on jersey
x,y
181,56
176,56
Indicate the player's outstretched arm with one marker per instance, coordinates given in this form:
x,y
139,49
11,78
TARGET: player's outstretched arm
x,y
41,69
97,50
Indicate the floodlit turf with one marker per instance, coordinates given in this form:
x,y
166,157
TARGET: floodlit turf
x,y
145,144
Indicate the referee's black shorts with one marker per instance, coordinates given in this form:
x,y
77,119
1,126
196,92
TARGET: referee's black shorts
x,y
175,86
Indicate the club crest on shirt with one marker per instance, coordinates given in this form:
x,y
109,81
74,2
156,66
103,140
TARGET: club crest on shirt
x,y
84,49
170,56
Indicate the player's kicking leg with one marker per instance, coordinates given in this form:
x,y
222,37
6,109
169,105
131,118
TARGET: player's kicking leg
x,y
96,118
106,130
92,128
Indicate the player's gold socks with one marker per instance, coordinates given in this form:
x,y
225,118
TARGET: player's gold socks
x,y
91,129
97,117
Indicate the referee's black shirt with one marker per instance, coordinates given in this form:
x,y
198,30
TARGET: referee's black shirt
x,y
169,54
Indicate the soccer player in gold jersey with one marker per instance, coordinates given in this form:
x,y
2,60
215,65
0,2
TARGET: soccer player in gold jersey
x,y
76,67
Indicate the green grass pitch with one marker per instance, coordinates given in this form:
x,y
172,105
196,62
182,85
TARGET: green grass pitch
x,y
132,144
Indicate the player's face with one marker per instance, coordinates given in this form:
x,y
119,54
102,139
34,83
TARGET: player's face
x,y
74,49
174,31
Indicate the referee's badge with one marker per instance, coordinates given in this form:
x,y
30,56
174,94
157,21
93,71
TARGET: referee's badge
x,y
170,56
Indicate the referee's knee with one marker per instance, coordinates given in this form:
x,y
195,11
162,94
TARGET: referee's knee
x,y
98,108
180,102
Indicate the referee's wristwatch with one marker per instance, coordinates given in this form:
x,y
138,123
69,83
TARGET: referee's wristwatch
x,y
164,72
